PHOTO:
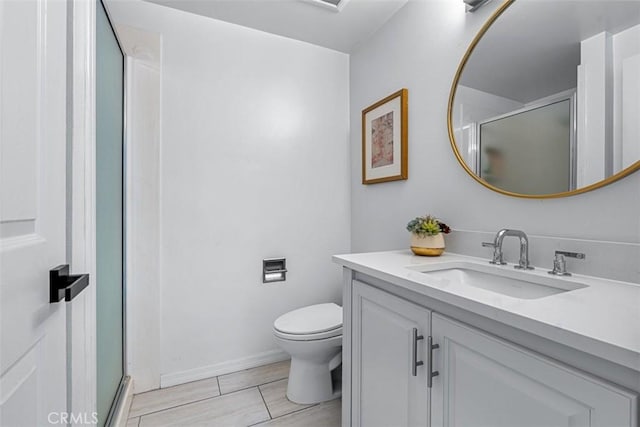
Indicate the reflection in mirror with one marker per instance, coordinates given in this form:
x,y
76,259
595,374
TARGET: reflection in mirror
x,y
541,135
549,99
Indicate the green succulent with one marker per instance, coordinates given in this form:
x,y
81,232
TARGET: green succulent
x,y
427,226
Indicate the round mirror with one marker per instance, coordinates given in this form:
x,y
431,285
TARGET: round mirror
x,y
546,100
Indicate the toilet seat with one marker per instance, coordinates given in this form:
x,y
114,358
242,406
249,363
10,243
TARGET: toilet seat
x,y
309,337
314,322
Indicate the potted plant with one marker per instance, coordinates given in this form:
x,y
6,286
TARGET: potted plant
x,y
427,235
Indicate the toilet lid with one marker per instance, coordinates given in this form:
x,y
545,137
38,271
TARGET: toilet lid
x,y
310,320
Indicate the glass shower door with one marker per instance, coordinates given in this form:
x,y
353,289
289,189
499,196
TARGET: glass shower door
x,y
109,213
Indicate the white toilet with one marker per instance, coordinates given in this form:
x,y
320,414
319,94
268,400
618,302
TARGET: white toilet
x,y
313,337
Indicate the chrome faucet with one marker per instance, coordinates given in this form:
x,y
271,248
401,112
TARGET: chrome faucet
x,y
523,263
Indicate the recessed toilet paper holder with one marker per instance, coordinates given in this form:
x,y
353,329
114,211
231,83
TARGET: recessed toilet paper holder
x,y
274,270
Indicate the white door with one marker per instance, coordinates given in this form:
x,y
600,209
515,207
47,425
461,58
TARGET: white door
x,y
33,363
485,381
389,385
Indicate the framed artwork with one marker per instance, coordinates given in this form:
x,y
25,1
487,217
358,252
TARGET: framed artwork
x,y
384,139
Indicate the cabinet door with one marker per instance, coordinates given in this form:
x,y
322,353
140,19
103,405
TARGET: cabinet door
x,y
485,381
384,390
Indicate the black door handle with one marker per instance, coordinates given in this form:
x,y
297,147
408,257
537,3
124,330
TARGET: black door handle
x,y
64,285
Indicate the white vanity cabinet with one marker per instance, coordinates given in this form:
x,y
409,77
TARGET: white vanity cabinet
x,y
386,388
482,380
486,381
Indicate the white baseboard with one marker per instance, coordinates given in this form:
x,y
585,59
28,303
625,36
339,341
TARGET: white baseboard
x,y
175,378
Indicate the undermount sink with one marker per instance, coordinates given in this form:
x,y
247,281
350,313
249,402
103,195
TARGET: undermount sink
x,y
517,284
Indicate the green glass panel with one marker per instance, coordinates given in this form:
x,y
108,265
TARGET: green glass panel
x,y
109,211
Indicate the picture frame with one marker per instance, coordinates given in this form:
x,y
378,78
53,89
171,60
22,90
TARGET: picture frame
x,y
385,139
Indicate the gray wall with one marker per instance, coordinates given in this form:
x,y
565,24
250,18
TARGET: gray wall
x,y
420,48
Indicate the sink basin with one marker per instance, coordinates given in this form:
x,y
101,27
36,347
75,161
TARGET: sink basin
x,y
517,284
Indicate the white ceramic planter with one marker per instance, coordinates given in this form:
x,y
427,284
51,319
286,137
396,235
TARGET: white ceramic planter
x,y
427,245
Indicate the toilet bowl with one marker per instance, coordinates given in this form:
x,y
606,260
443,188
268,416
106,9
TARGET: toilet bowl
x,y
313,337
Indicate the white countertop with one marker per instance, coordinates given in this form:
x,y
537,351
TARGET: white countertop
x,y
602,318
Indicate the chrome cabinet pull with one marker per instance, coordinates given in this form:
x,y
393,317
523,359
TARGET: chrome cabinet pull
x,y
414,352
430,373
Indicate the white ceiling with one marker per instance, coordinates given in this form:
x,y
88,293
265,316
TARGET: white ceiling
x,y
299,19
533,49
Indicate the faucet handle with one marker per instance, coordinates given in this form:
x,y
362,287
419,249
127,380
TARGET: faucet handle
x,y
497,253
560,264
577,255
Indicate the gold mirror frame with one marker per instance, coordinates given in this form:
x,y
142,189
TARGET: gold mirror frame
x,y
613,178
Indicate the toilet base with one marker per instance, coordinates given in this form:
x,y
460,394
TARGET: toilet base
x,y
312,363
312,383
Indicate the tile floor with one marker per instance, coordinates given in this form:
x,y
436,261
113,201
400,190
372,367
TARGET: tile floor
x,y
253,397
